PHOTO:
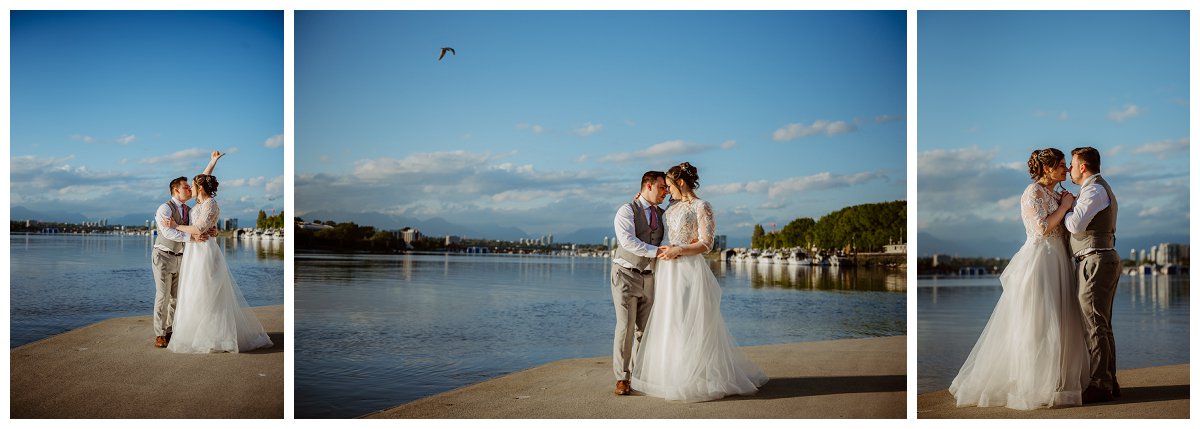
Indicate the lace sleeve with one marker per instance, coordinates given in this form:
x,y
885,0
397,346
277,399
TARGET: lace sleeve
x,y
704,219
1035,207
207,216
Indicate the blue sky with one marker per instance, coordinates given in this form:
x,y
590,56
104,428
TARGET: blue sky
x,y
994,86
546,120
108,107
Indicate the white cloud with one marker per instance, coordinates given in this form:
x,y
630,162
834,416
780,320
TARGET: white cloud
x,y
438,164
820,181
179,156
274,141
1150,211
126,138
757,187
1064,116
533,128
888,118
754,187
1130,111
1165,148
589,129
729,144
658,151
772,205
83,138
820,126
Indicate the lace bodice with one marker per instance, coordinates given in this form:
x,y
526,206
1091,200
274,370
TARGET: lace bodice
x,y
1037,203
687,221
205,214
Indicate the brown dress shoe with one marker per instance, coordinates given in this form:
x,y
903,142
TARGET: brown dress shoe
x,y
622,388
1093,394
160,342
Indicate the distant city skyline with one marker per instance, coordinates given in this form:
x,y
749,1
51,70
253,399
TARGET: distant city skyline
x,y
996,85
545,121
107,107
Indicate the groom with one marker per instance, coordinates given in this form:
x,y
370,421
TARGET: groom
x,y
168,252
1093,226
639,233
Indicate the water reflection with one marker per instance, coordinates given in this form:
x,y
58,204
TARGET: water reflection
x,y
803,277
374,331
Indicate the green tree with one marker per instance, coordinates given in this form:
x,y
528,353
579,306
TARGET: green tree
x,y
756,240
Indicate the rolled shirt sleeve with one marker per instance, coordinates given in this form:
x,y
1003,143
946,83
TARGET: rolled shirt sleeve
x,y
1092,199
172,234
623,224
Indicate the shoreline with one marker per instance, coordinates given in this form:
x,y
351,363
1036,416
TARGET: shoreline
x,y
855,378
111,369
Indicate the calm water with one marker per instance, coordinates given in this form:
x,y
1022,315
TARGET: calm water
x,y
375,331
1150,323
63,282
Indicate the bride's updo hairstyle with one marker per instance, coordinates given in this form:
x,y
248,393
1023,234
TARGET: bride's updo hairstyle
x,y
686,172
1042,159
208,182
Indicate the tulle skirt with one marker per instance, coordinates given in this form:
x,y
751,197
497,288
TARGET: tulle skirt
x,y
1032,353
687,352
211,314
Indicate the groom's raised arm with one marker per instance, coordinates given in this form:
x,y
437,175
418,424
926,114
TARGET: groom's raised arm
x,y
626,238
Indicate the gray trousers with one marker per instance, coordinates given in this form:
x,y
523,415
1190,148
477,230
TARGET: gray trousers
x,y
1098,275
633,295
165,267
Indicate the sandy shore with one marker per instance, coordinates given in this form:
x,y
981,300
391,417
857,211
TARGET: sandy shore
x,y
112,370
861,378
1146,393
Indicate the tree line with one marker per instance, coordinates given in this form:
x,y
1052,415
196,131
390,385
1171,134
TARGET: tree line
x,y
860,228
269,222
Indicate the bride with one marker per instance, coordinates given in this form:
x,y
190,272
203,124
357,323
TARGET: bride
x,y
1032,353
211,315
686,352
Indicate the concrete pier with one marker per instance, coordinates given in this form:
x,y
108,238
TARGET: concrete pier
x,y
112,370
1146,393
859,378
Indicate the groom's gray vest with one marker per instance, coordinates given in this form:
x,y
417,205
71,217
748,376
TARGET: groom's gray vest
x,y
179,218
1101,232
641,229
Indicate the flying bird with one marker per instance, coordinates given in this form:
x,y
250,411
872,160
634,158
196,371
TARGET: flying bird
x,y
444,52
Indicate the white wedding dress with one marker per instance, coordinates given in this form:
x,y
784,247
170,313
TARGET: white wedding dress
x,y
211,314
686,352
1032,353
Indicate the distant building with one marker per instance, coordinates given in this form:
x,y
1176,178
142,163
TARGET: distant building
x,y
901,248
453,239
410,234
1170,253
719,241
936,259
229,224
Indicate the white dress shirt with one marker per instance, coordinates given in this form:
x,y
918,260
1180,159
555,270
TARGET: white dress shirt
x,y
1092,199
627,237
161,217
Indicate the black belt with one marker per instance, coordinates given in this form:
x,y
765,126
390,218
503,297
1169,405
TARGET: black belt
x,y
1094,252
170,252
642,272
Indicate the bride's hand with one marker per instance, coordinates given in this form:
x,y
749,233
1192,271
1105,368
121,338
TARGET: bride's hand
x,y
1068,199
216,155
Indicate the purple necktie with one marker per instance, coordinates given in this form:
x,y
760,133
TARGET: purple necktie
x,y
653,219
185,212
